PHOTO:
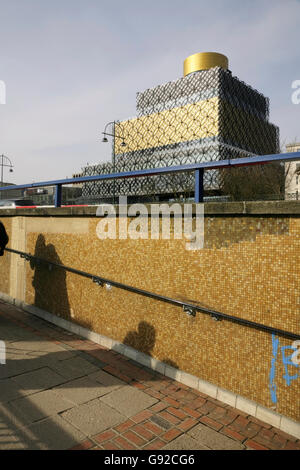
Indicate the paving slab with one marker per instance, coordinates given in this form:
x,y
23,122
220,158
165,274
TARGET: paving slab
x,y
73,368
9,390
12,335
17,364
39,347
40,405
93,417
12,418
81,390
51,359
107,381
213,439
128,400
93,360
185,442
10,442
38,380
53,433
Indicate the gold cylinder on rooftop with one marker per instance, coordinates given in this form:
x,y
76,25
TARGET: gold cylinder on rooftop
x,y
204,61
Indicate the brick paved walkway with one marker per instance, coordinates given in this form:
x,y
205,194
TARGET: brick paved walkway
x,y
58,391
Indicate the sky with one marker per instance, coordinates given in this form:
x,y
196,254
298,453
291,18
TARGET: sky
x,y
71,66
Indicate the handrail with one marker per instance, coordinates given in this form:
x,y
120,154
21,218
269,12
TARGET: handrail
x,y
187,307
197,168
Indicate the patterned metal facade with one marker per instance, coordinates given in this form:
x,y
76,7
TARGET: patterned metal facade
x,y
207,115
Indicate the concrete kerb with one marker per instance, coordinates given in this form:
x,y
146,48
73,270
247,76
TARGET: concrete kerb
x,y
252,408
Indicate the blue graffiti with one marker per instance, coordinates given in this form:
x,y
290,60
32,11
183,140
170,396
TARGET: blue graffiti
x,y
272,385
287,361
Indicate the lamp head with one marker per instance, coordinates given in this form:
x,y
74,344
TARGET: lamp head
x,y
104,139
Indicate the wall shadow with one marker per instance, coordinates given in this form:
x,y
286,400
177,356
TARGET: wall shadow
x,y
3,238
49,282
143,340
32,368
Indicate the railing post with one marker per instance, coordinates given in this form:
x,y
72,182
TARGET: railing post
x,y
199,185
57,196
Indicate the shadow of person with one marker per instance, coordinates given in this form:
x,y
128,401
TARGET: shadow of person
x,y
143,340
49,281
3,238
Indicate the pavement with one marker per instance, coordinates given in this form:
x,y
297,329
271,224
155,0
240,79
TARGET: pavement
x,y
59,391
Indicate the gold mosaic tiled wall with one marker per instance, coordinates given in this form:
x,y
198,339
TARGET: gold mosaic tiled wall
x,y
5,261
249,267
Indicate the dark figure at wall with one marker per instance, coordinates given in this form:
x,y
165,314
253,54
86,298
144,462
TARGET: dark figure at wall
x,y
143,340
49,281
3,239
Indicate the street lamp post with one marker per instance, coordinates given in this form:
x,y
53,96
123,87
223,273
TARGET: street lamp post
x,y
3,163
113,134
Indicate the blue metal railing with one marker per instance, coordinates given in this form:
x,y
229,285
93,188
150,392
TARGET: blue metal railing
x,y
197,168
